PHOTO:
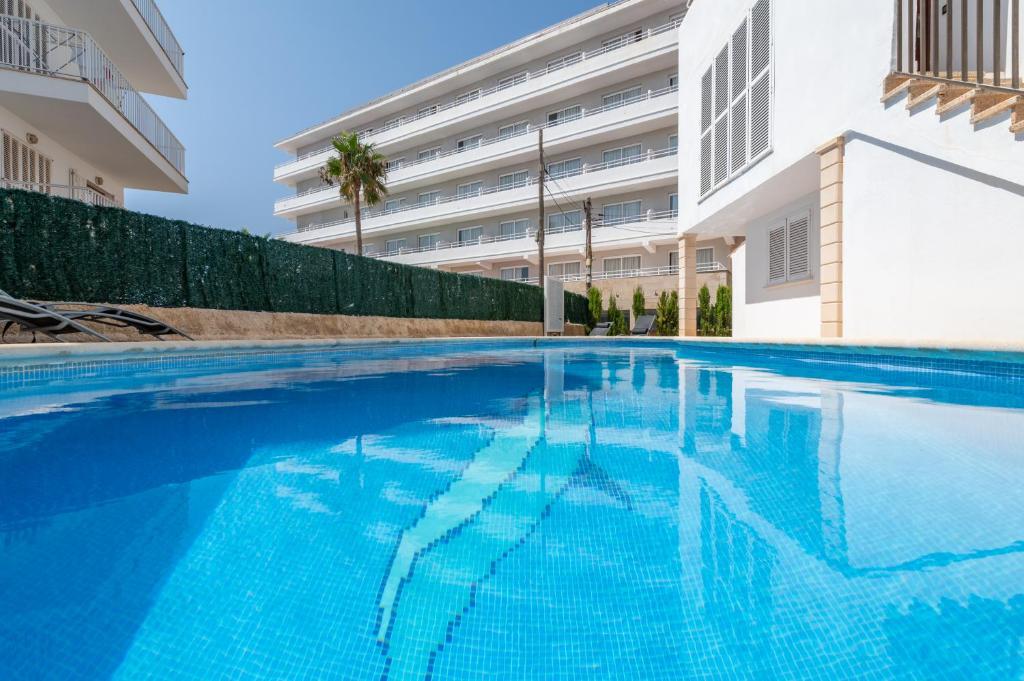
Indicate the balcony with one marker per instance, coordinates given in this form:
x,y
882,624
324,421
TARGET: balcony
x,y
653,48
651,169
650,111
84,194
136,37
65,85
649,230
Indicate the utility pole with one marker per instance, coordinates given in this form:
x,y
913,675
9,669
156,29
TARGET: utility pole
x,y
540,200
588,223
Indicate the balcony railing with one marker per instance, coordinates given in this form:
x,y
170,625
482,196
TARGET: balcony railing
x,y
666,271
934,42
162,32
64,191
584,113
522,80
37,47
530,234
464,196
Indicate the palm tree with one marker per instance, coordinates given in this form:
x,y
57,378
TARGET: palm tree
x,y
360,173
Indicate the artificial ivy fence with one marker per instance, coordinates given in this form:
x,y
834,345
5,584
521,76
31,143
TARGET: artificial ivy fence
x,y
59,249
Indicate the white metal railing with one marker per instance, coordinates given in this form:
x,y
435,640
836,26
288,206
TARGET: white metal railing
x,y
649,216
525,78
37,47
530,128
643,157
162,32
707,267
665,271
85,194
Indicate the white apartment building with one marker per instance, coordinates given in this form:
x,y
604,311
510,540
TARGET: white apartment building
x,y
73,121
871,154
464,159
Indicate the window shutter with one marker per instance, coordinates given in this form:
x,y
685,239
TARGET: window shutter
x,y
799,246
705,163
722,81
722,149
739,60
760,37
761,81
705,101
777,254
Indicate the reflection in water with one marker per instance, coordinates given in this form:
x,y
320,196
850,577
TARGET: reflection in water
x,y
556,514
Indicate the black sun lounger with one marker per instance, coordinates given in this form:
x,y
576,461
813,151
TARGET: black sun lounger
x,y
644,325
58,319
601,329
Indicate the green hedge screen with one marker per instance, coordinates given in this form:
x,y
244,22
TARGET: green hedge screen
x,y
58,249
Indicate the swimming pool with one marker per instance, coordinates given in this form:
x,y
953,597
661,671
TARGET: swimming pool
x,y
513,510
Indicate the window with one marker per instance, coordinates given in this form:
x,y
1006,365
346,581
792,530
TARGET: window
x,y
789,254
673,203
509,81
673,80
514,130
673,259
428,154
514,180
394,246
394,205
514,229
515,273
736,92
429,198
467,97
570,113
623,266
622,98
622,156
469,189
567,60
618,213
569,221
469,143
564,270
427,241
705,259
427,111
21,163
470,235
369,249
624,39
673,142
567,168
395,164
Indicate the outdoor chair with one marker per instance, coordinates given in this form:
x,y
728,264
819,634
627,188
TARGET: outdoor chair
x,y
644,325
59,319
601,329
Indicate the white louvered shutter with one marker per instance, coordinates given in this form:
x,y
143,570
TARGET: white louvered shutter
x,y
722,116
777,254
760,78
739,98
799,256
706,151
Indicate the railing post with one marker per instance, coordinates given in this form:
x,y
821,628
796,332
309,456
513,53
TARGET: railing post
x,y
963,40
899,35
996,43
912,45
979,67
949,39
1015,43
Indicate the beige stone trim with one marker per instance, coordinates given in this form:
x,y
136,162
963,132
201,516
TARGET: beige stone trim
x,y
688,285
831,156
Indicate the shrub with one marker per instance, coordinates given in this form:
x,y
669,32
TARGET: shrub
x,y
666,317
705,317
723,311
639,303
617,319
595,305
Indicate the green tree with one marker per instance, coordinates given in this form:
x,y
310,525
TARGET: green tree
x,y
705,317
666,316
617,319
723,311
360,173
639,303
595,304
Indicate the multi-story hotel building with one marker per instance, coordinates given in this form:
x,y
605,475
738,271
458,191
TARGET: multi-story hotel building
x,y
464,159
73,121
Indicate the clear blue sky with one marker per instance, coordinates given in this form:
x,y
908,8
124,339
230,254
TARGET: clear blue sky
x,y
260,71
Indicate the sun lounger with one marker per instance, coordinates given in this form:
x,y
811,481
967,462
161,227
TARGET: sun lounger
x,y
644,325
601,329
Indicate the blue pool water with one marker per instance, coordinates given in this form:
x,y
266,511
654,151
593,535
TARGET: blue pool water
x,y
503,511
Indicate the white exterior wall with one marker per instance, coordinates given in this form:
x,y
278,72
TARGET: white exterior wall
x,y
922,192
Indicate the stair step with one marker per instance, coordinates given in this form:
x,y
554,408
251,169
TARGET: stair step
x,y
953,97
990,104
894,86
923,92
1017,118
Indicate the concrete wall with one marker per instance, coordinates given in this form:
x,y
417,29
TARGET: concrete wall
x,y
241,325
